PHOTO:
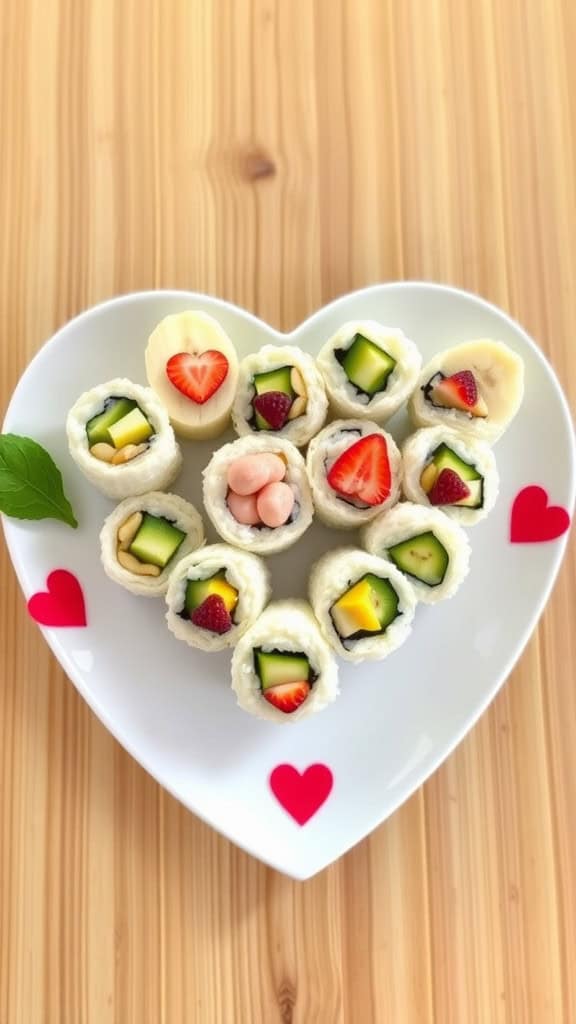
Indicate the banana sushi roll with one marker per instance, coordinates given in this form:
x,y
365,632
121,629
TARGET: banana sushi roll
x,y
282,668
215,595
364,605
144,538
355,471
280,393
430,549
257,495
192,366
120,438
452,471
475,387
369,370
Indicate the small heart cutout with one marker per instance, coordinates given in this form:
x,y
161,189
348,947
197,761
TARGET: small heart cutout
x,y
62,604
301,795
533,520
197,376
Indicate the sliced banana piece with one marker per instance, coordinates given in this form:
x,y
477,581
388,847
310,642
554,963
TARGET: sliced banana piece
x,y
192,334
499,376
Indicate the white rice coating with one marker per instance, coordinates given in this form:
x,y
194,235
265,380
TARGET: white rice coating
x,y
338,571
407,520
154,470
284,626
261,540
244,571
271,357
416,453
156,503
323,451
345,400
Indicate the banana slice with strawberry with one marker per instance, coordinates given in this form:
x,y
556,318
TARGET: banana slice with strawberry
x,y
475,387
192,366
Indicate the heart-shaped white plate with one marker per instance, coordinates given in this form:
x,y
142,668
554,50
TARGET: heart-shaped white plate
x,y
395,721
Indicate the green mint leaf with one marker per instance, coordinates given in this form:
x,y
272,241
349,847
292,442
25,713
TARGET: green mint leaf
x,y
30,482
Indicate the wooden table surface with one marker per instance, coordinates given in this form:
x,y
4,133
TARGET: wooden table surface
x,y
279,154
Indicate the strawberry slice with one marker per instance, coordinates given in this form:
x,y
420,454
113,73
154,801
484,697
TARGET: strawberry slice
x,y
363,471
212,614
287,697
273,406
460,391
448,489
197,377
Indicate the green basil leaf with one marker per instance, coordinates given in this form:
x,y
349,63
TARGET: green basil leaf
x,y
30,482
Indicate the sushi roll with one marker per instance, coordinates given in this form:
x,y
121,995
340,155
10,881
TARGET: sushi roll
x,y
145,537
450,470
364,605
369,370
280,393
355,470
475,388
192,366
214,595
430,549
257,495
120,438
282,668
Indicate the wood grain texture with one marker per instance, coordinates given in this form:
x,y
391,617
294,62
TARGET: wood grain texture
x,y
279,154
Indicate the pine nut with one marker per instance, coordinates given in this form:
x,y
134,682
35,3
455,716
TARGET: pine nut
x,y
132,564
103,452
298,407
297,381
128,530
127,453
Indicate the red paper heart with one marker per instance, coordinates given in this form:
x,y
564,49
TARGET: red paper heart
x,y
62,604
534,520
301,795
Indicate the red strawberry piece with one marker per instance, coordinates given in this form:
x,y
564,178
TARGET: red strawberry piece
x,y
287,697
197,377
212,614
448,489
363,471
460,391
273,406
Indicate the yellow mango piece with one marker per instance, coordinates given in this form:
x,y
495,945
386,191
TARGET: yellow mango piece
x,y
228,593
428,477
133,428
355,610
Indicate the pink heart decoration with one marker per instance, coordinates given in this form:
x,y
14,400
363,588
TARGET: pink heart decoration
x,y
533,520
62,604
301,795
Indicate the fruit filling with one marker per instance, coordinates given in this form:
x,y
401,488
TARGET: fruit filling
x,y
367,608
258,494
458,391
286,678
280,396
210,603
146,543
367,366
119,433
422,557
198,376
362,472
449,480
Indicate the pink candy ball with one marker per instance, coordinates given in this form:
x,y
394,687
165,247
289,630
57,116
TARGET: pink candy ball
x,y
275,503
243,508
248,474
